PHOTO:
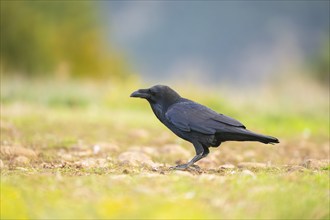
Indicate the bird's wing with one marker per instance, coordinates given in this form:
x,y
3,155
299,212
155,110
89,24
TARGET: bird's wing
x,y
191,116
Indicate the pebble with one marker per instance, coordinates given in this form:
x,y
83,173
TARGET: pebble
x,y
91,163
227,166
96,149
21,160
105,146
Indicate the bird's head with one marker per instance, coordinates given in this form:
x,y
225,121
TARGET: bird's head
x,y
158,94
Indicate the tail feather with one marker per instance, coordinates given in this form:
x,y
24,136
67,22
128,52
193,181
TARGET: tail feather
x,y
246,135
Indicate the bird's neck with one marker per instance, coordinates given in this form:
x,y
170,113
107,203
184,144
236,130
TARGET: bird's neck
x,y
158,111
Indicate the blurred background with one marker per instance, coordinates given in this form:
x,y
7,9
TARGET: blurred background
x,y
212,43
268,58
69,128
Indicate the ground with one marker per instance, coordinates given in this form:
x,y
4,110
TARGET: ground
x,y
86,151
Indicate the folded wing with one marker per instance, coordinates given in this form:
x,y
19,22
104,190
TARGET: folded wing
x,y
191,116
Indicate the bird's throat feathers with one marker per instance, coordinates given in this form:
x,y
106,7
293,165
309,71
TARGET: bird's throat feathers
x,y
157,109
160,108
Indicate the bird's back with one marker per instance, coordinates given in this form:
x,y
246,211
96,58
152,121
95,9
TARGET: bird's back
x,y
195,122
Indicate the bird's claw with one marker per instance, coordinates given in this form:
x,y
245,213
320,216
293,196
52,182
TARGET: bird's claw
x,y
179,167
185,167
195,167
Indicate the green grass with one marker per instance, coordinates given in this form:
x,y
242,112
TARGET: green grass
x,y
148,195
62,122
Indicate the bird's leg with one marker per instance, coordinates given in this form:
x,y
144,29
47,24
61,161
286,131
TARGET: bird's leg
x,y
200,153
199,156
191,162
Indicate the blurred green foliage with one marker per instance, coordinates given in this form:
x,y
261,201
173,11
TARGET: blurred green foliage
x,y
321,64
284,112
64,38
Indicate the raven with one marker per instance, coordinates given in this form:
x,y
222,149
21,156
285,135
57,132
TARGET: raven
x,y
196,123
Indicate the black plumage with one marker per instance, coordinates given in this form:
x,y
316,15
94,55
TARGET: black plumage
x,y
196,123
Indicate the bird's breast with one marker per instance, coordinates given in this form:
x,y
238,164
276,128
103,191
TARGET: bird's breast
x,y
158,111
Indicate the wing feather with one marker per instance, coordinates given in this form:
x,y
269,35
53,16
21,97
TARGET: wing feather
x,y
191,116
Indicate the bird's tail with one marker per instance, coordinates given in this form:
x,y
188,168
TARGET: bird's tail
x,y
240,134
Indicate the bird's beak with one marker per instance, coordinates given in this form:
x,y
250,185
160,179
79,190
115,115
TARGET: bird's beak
x,y
141,93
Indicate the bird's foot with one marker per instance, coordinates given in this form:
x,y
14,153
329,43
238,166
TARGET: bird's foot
x,y
196,167
180,167
185,167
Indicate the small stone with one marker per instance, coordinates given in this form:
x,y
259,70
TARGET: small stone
x,y
91,163
88,163
232,172
251,165
83,153
155,169
96,149
105,146
227,166
66,157
21,160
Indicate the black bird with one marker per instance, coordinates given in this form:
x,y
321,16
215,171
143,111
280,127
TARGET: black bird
x,y
196,123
